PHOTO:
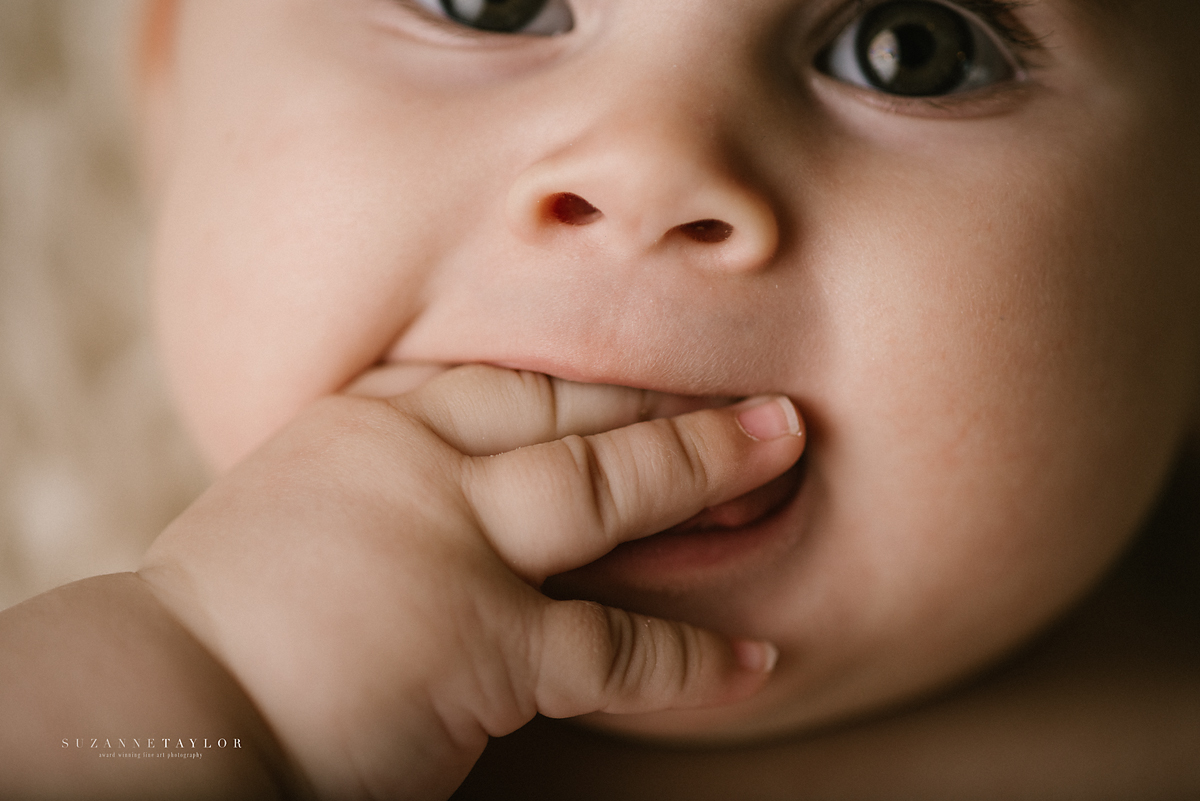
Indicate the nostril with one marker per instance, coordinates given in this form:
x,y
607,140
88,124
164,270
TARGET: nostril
x,y
710,231
571,209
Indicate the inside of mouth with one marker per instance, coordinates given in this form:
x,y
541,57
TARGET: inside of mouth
x,y
748,509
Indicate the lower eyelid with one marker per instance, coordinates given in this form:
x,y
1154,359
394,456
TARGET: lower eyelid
x,y
988,101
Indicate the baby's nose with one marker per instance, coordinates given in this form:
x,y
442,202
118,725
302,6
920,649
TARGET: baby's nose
x,y
570,209
645,193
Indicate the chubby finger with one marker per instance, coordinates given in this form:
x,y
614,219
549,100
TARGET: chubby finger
x,y
594,658
555,506
483,410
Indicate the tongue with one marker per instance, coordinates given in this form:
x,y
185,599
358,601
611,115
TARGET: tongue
x,y
745,509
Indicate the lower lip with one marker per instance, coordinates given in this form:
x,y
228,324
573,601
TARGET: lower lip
x,y
672,558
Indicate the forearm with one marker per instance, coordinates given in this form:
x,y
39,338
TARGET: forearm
x,y
100,686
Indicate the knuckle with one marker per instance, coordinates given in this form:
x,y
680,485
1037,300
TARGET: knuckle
x,y
634,662
540,393
690,656
626,661
611,635
596,491
554,405
647,658
691,468
608,643
536,385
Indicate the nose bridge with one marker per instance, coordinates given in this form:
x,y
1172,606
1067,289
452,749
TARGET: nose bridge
x,y
647,163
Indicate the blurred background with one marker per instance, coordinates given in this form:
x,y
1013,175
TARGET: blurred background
x,y
92,462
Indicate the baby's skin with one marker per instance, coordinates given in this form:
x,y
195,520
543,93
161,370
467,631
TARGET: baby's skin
x,y
973,278
369,578
391,554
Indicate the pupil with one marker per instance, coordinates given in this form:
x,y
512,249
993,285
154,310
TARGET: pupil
x,y
914,48
503,16
917,46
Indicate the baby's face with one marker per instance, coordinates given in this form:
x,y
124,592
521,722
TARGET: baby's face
x,y
971,262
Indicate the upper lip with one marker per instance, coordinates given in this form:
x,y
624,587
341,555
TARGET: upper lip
x,y
712,388
674,360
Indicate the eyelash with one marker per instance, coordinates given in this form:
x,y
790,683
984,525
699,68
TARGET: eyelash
x,y
1000,16
991,70
446,24
442,25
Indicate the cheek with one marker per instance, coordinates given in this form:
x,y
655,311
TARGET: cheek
x,y
1006,382
313,195
254,289
291,249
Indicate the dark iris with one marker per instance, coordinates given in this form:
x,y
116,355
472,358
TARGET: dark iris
x,y
503,16
914,48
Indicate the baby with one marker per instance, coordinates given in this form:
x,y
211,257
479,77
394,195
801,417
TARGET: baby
x,y
715,372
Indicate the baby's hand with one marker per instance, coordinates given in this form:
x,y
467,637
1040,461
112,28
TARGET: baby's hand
x,y
371,575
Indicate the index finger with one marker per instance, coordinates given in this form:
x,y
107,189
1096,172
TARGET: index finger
x,y
483,410
558,505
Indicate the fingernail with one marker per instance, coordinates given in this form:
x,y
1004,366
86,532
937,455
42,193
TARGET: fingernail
x,y
768,418
756,656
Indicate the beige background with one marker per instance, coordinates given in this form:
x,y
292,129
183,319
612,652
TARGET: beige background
x,y
92,462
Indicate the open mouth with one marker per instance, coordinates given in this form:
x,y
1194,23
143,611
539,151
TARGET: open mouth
x,y
745,510
752,529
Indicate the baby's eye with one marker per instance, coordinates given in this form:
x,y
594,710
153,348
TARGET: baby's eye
x,y
531,17
917,48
